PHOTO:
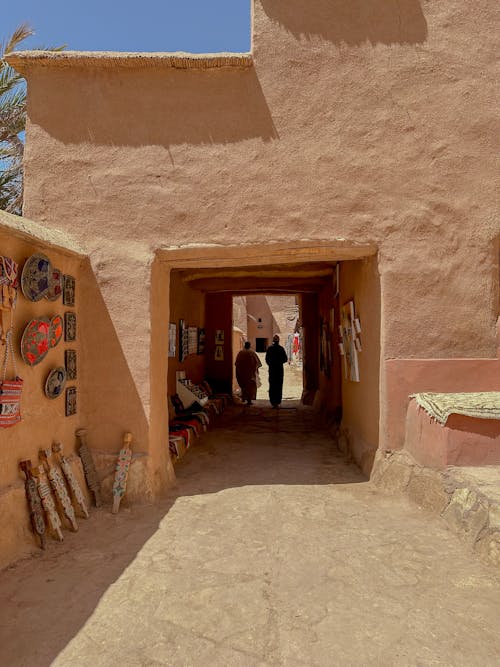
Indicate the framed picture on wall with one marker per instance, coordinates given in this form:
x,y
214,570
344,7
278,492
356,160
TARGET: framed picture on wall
x,y
219,337
172,339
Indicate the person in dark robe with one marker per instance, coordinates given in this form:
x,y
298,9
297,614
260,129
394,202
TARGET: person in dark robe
x,y
247,366
275,359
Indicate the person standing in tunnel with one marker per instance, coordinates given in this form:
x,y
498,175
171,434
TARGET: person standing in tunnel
x,y
275,359
247,367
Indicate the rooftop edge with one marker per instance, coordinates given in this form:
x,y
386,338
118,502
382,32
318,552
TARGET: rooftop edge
x,y
23,61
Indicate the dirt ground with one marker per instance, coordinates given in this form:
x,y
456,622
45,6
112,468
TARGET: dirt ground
x,y
271,550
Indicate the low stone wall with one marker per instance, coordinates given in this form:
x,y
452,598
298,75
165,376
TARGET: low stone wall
x,y
467,499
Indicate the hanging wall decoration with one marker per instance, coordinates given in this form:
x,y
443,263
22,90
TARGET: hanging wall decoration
x,y
88,466
56,331
201,340
10,390
8,294
55,382
69,327
193,340
349,337
55,285
69,285
70,364
35,341
70,401
172,339
37,272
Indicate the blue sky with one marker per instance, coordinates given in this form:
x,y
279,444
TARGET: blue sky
x,y
122,25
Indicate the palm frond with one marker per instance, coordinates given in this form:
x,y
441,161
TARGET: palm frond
x,y
21,33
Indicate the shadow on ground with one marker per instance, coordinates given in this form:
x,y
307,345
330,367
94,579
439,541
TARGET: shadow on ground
x,y
47,599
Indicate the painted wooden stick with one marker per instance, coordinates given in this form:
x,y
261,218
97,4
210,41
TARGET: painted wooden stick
x,y
48,502
88,466
59,487
57,448
34,502
121,472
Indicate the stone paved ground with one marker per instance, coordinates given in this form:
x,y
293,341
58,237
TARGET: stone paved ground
x,y
272,551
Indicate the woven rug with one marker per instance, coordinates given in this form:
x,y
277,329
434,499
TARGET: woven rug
x,y
484,405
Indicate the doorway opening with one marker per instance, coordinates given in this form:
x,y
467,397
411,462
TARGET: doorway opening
x,y
261,344
256,319
332,290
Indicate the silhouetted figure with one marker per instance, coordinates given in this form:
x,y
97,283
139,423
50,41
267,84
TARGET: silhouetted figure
x,y
247,365
275,358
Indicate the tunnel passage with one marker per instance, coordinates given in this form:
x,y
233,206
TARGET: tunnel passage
x,y
330,296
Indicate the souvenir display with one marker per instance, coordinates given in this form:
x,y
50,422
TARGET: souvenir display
x,y
10,390
70,363
121,472
59,487
55,285
88,466
70,401
183,340
172,336
35,341
57,448
37,272
69,326
54,520
192,340
69,291
34,502
8,294
55,382
56,331
201,341
351,344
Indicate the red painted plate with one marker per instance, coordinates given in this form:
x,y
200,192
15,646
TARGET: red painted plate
x,y
56,330
35,341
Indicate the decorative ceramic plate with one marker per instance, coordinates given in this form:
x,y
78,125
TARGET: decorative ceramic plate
x,y
55,285
55,382
56,330
35,341
35,277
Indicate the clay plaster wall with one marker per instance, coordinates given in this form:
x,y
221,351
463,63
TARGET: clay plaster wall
x,y
360,282
43,420
189,305
372,123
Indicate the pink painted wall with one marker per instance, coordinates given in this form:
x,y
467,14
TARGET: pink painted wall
x,y
463,441
402,377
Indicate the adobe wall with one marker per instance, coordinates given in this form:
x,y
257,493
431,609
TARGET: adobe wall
x,y
360,282
43,420
189,305
374,124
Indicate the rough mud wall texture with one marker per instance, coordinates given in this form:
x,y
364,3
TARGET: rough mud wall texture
x,y
370,121
43,420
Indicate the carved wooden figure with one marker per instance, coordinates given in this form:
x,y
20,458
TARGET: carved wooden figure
x,y
88,466
57,448
34,502
121,472
48,502
59,487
